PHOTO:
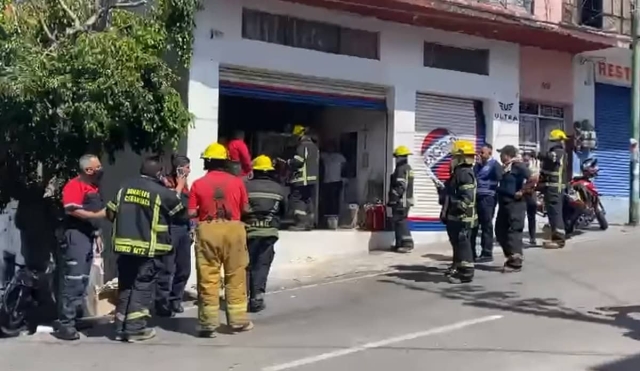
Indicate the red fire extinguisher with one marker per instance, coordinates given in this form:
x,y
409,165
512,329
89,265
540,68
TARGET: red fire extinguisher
x,y
375,217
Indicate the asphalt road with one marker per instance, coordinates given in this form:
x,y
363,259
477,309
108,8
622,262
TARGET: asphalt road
x,y
571,309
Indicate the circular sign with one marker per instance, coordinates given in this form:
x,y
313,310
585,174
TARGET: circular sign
x,y
436,152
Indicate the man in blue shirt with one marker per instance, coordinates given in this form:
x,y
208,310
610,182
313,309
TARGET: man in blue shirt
x,y
488,173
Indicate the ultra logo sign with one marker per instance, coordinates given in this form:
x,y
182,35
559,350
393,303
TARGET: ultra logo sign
x,y
504,112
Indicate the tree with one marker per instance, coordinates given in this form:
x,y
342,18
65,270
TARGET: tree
x,y
81,76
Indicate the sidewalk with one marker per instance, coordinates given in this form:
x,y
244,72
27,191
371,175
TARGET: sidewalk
x,y
310,271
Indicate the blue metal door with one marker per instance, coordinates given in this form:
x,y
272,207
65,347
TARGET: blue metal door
x,y
613,116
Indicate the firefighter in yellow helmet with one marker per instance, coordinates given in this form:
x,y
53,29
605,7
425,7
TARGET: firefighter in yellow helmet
x,y
304,180
458,200
267,204
400,200
552,184
218,200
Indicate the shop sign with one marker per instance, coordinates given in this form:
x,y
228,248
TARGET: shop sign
x,y
612,73
507,112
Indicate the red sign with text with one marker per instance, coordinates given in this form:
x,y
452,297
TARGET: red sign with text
x,y
613,73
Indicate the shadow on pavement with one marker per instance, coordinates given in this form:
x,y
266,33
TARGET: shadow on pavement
x,y
626,364
476,295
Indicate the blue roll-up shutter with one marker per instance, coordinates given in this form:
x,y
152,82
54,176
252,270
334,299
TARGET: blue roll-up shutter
x,y
270,85
613,115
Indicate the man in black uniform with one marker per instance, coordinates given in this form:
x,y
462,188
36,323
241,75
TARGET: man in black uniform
x,y
458,200
306,168
266,207
401,200
512,207
552,186
141,212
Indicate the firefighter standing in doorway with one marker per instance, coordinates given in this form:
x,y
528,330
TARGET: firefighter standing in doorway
x,y
218,200
458,199
141,212
305,166
552,186
266,206
401,200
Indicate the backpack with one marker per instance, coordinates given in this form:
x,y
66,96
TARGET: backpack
x,y
585,133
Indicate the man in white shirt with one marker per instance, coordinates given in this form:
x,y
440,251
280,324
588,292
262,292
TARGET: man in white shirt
x,y
333,163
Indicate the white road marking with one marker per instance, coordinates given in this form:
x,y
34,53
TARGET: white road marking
x,y
381,343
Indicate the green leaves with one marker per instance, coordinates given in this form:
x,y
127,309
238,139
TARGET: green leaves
x,y
80,75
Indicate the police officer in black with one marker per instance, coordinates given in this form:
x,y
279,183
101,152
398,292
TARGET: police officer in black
x,y
266,207
141,213
458,200
512,207
401,200
552,186
306,168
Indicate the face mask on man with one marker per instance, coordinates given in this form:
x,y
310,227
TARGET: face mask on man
x,y
97,175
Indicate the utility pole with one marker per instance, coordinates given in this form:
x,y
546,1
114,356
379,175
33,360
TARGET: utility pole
x,y
634,168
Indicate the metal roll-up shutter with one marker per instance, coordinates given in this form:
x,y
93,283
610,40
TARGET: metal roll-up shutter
x,y
613,115
439,121
239,81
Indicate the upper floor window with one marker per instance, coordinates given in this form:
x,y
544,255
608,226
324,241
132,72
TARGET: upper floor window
x,y
456,59
305,34
591,13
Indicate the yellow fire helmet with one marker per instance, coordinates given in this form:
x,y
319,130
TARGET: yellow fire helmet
x,y
463,147
263,163
401,151
299,130
215,151
557,135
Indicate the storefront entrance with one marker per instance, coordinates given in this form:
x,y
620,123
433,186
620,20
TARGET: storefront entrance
x,y
352,118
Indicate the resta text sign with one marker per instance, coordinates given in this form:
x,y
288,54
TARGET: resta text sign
x,y
612,73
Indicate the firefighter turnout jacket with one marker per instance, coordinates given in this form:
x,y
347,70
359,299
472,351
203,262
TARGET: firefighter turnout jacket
x,y
401,192
305,163
141,213
267,200
552,169
458,198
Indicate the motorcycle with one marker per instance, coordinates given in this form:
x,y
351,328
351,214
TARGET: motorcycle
x,y
582,205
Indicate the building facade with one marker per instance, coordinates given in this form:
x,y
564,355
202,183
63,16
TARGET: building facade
x,y
603,96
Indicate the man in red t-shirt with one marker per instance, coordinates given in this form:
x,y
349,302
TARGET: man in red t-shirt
x,y
218,200
84,208
239,154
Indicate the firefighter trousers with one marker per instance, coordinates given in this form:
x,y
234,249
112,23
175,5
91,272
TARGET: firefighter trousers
x,y
486,207
137,276
553,201
261,254
173,278
401,229
302,201
510,229
77,257
221,244
459,234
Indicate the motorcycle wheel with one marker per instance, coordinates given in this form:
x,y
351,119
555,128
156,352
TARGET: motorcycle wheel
x,y
13,314
602,220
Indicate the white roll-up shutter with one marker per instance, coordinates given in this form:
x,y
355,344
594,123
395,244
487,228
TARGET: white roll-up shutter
x,y
439,121
265,84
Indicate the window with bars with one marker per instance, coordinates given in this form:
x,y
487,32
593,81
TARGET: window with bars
x,y
313,35
536,122
456,59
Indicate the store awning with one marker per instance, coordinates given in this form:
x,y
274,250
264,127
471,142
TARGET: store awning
x,y
279,86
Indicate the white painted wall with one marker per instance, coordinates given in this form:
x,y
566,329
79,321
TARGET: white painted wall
x,y
399,68
372,130
588,71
